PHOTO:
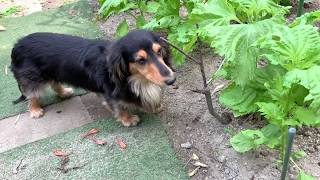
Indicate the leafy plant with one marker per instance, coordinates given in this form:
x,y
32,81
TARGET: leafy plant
x,y
285,89
10,11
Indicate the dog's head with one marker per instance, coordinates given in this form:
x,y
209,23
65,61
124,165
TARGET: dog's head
x,y
142,53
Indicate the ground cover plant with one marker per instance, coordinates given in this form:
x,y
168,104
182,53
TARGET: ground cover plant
x,y
273,66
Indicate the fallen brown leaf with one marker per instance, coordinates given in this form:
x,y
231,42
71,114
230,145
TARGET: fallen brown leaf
x,y
60,153
121,144
6,70
195,157
89,133
99,142
200,164
192,173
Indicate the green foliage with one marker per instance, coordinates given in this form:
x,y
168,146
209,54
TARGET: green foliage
x,y
255,10
303,176
296,47
298,155
109,7
234,42
308,18
309,79
122,29
10,11
285,89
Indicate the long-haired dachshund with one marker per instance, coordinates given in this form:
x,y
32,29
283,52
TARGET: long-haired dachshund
x,y
131,70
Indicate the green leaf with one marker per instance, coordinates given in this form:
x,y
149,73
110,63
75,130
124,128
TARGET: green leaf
x,y
110,7
306,116
214,12
152,7
140,22
234,42
308,78
272,112
167,15
247,140
273,135
296,47
241,100
303,176
296,156
307,18
122,29
256,10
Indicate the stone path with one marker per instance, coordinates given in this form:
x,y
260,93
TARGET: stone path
x,y
61,117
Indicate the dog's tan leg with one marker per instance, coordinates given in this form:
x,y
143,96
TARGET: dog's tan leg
x,y
35,109
127,119
62,91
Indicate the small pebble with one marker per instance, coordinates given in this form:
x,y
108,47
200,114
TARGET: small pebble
x,y
186,145
311,150
221,158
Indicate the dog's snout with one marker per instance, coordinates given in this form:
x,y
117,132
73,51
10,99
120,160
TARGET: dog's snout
x,y
170,81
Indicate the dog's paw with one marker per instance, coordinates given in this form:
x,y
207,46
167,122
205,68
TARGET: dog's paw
x,y
36,113
132,120
67,92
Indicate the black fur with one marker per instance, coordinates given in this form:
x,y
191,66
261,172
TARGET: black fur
x,y
96,65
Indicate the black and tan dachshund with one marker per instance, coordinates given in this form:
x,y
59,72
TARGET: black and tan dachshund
x,y
130,70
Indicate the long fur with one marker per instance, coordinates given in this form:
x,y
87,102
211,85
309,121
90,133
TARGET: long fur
x,y
99,66
149,93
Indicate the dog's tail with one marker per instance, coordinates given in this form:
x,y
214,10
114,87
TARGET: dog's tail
x,y
20,99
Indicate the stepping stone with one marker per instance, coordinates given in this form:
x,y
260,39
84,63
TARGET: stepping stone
x,y
21,129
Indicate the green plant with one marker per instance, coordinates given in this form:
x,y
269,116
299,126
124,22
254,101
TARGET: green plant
x,y
10,11
285,89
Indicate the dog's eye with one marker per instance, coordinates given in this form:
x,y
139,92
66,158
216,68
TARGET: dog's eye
x,y
141,61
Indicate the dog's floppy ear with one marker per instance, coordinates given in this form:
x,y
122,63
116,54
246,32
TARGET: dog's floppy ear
x,y
117,69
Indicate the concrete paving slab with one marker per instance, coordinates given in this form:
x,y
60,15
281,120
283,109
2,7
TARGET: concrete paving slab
x,y
93,104
21,129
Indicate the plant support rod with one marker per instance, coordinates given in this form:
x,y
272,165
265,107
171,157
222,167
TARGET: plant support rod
x,y
291,134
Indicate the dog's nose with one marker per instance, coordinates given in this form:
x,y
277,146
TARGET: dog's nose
x,y
170,81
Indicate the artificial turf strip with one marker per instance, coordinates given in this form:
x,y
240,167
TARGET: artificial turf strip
x,y
148,154
75,19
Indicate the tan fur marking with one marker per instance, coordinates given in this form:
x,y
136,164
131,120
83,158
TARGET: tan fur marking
x,y
149,71
35,109
156,47
142,54
62,91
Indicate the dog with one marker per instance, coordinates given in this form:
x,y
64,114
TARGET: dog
x,y
131,70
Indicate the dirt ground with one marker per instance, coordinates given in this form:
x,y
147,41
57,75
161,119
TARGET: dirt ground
x,y
187,120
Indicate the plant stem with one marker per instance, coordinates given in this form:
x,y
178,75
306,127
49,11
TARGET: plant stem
x,y
180,50
205,89
207,92
300,7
